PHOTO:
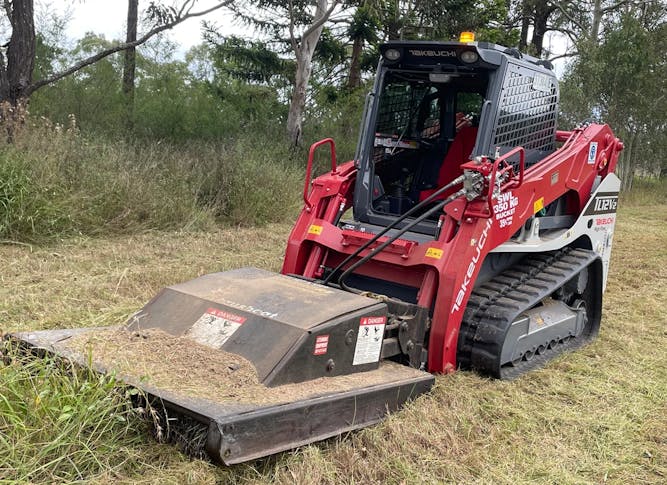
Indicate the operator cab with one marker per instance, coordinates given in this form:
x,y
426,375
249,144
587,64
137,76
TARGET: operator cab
x,y
434,107
426,128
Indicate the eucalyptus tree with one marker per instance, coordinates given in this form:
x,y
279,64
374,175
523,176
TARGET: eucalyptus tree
x,y
622,81
292,27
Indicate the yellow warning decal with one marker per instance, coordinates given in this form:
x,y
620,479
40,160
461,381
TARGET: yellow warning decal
x,y
313,229
538,205
434,253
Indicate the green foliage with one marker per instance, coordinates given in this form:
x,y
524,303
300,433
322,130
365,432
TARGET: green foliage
x,y
92,95
27,209
337,115
62,424
646,192
330,50
251,61
613,81
174,100
45,57
364,25
622,82
442,20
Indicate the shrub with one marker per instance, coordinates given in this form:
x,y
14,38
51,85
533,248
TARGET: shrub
x,y
646,191
28,209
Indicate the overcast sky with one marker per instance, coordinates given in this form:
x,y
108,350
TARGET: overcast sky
x,y
108,17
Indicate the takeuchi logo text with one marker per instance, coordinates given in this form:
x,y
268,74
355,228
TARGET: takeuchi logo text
x,y
432,53
467,278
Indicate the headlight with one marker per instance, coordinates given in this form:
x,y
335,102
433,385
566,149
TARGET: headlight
x,y
469,57
392,54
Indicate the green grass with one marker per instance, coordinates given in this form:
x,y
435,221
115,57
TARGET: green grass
x,y
598,415
60,424
646,191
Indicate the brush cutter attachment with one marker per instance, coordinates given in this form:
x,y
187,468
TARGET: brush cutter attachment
x,y
313,353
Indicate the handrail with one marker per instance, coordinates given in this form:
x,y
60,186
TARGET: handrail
x,y
563,135
309,166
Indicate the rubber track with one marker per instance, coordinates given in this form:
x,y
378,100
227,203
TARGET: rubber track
x,y
494,305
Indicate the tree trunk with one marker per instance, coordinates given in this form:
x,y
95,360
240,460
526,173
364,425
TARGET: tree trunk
x,y
16,71
304,63
542,13
130,62
16,83
354,81
629,164
526,13
16,74
597,19
394,29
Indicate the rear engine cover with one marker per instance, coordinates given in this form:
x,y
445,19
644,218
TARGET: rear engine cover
x,y
292,330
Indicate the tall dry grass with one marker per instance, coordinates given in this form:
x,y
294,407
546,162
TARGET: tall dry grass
x,y
56,182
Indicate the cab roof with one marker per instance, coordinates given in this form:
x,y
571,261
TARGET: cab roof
x,y
430,54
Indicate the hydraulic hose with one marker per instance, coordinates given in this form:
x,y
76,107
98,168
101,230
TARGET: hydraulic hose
x,y
374,251
397,221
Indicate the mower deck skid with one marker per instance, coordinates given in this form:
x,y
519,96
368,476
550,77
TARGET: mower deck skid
x,y
247,363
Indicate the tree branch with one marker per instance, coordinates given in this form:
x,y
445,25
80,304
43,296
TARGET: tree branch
x,y
615,6
570,18
562,56
292,39
124,45
319,22
185,8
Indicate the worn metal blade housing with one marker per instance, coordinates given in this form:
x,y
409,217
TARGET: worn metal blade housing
x,y
292,331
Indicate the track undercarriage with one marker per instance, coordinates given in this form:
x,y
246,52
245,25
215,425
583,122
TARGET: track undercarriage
x,y
530,314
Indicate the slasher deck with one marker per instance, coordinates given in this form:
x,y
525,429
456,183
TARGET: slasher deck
x,y
234,432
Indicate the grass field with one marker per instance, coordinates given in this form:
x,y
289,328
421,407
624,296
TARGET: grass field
x,y
595,416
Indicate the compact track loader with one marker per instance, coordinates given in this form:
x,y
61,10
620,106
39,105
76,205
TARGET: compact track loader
x,y
468,232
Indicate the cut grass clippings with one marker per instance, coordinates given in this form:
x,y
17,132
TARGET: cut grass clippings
x,y
598,415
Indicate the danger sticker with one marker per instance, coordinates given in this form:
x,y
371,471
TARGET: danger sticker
x,y
321,345
215,327
369,340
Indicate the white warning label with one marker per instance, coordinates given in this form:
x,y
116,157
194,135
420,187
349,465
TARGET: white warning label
x,y
369,340
592,152
215,327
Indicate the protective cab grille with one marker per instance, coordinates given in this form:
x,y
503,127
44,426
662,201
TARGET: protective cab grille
x,y
527,113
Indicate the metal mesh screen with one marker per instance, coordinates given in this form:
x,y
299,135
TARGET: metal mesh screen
x,y
398,106
397,117
527,111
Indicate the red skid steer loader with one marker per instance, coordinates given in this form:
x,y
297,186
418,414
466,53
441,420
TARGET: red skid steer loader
x,y
468,232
